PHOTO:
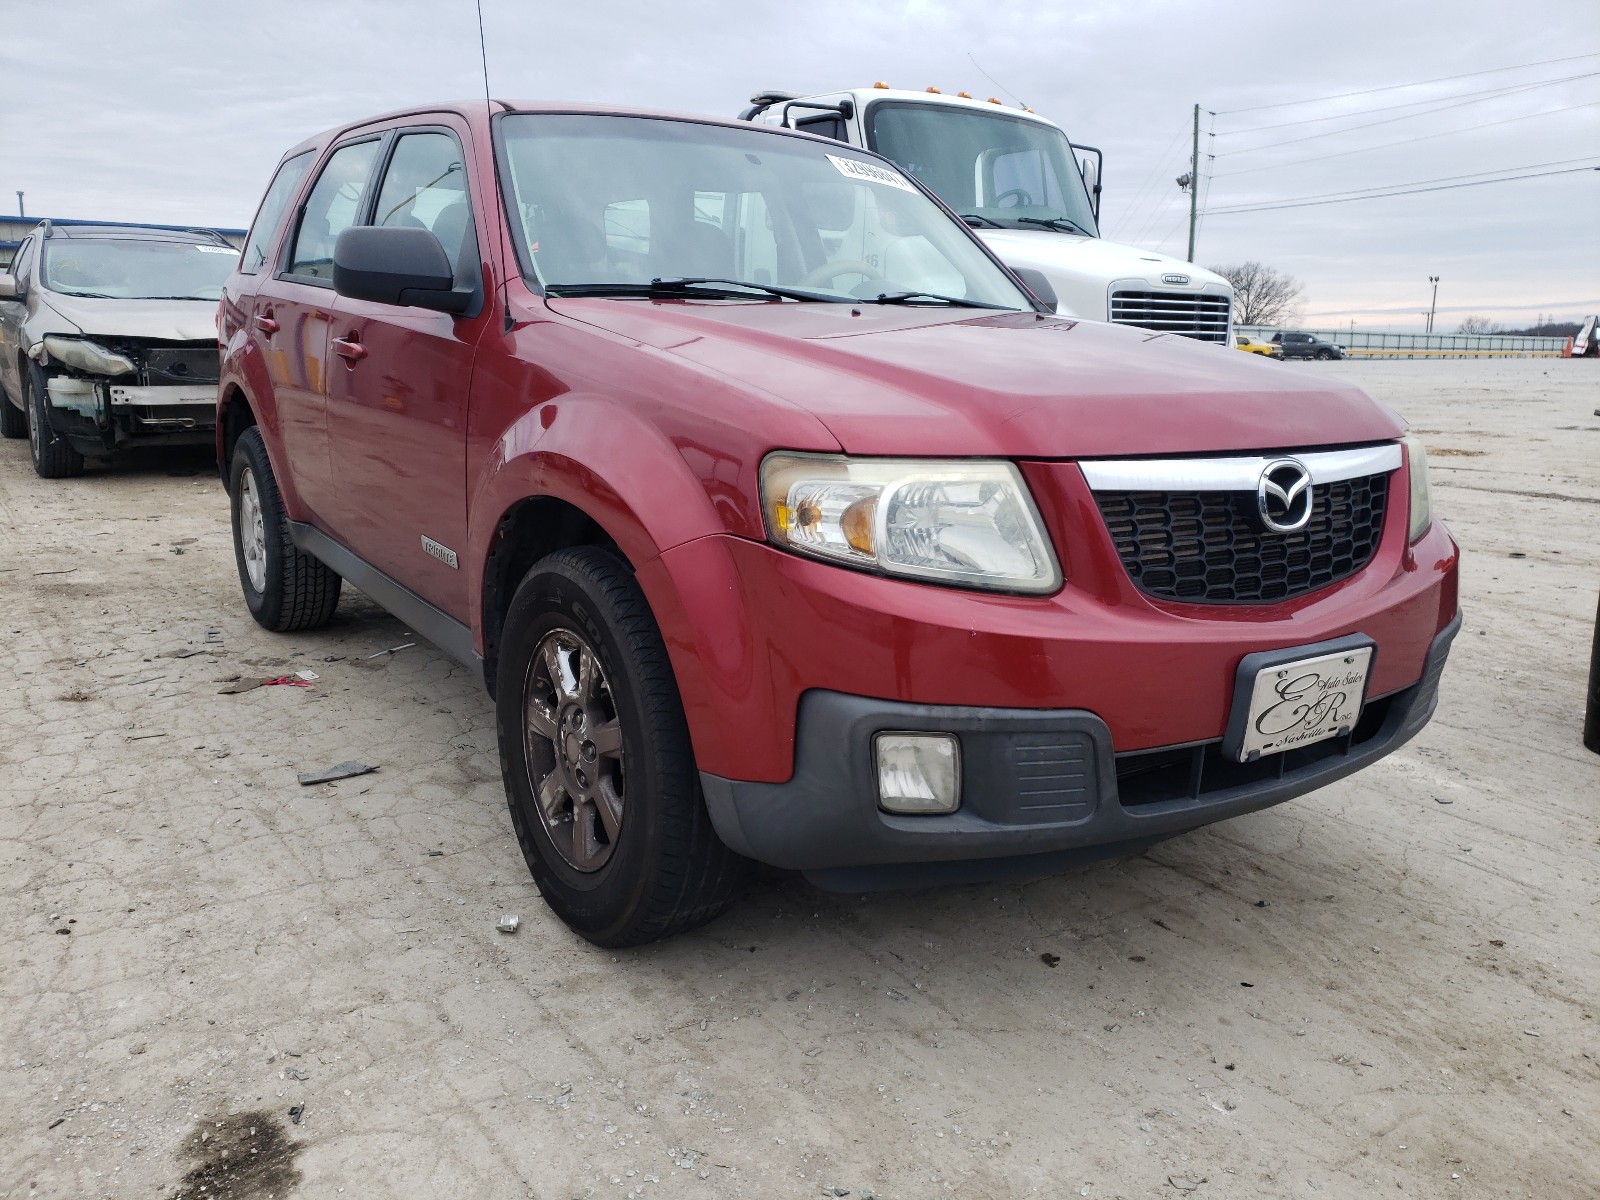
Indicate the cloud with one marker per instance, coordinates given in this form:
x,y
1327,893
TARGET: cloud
x,y
177,110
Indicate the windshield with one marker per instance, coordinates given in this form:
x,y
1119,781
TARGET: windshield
x,y
136,270
601,200
1009,170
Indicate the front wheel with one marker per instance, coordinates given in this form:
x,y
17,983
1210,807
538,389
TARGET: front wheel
x,y
53,456
599,772
285,589
1324,355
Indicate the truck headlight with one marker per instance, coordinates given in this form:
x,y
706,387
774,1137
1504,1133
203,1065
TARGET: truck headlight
x,y
88,356
1421,500
960,522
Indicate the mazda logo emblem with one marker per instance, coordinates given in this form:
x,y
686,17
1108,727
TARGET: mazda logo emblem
x,y
1283,496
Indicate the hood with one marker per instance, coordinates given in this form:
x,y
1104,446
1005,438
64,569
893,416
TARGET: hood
x,y
967,383
168,320
1049,251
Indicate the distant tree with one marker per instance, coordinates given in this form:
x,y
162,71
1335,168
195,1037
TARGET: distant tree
x,y
1548,327
1261,295
1479,325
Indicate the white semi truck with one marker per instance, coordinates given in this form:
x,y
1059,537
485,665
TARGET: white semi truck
x,y
1021,184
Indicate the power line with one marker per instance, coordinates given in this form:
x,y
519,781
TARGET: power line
x,y
1308,203
1457,102
1407,141
1383,187
1228,112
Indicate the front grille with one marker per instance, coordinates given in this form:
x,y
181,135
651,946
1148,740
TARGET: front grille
x,y
1192,314
1207,547
182,364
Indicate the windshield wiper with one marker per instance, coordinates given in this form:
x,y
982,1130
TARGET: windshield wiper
x,y
915,297
1059,223
175,297
86,295
696,286
980,221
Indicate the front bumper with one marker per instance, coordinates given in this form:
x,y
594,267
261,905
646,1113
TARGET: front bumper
x,y
1040,788
96,417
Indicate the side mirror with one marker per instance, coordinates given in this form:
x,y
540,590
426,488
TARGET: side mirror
x,y
393,264
1035,282
8,287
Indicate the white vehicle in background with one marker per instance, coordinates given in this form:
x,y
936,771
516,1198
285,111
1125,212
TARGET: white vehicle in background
x,y
1020,183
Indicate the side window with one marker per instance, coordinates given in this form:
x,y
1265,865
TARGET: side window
x,y
24,260
331,208
425,187
279,192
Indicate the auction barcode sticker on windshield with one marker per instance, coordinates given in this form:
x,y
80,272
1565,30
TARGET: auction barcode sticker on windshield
x,y
871,172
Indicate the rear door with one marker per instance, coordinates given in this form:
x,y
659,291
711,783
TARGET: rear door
x,y
399,379
292,315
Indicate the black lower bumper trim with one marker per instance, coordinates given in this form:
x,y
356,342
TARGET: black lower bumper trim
x,y
1034,783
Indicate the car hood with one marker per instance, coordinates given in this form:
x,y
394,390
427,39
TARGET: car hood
x,y
1049,250
168,320
965,382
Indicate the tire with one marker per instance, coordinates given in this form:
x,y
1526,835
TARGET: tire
x,y
53,456
656,867
1324,355
284,588
13,421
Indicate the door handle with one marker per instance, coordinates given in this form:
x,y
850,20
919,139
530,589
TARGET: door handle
x,y
266,325
349,349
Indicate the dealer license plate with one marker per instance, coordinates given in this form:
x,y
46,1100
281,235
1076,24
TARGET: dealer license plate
x,y
1306,701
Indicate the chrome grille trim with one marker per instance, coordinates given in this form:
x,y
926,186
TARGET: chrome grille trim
x,y
1232,474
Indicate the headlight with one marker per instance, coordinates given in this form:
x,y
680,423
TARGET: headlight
x,y
87,356
959,522
1421,501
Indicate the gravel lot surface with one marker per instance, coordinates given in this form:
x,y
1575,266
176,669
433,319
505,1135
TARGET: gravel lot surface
x,y
1390,987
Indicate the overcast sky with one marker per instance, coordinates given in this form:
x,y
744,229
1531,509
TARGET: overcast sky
x,y
176,111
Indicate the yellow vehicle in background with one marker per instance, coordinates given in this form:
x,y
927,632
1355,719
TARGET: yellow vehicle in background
x,y
1251,345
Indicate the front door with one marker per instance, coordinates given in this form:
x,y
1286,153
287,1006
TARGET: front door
x,y
398,385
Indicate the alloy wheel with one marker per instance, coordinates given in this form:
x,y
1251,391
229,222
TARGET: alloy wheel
x,y
252,531
573,740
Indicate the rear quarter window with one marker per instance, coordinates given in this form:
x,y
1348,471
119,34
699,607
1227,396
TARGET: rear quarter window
x,y
279,192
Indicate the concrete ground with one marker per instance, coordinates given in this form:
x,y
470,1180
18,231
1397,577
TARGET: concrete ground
x,y
1390,987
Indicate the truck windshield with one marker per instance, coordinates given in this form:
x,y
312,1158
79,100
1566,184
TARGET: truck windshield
x,y
615,204
137,270
1003,169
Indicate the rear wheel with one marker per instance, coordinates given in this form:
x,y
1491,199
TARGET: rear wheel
x,y
284,588
599,773
13,421
53,456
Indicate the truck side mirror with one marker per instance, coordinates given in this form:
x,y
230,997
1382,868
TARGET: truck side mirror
x,y
1036,283
8,287
396,264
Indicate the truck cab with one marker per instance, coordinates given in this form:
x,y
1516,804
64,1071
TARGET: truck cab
x,y
1028,191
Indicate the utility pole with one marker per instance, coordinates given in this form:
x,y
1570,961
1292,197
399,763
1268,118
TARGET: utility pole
x,y
21,212
1194,180
1434,303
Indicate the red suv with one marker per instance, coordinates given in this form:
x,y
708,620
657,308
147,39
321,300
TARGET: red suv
x,y
784,524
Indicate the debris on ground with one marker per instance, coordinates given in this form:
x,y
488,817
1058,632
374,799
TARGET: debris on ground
x,y
1048,959
345,770
1185,1184
393,649
508,923
297,1074
250,685
295,1113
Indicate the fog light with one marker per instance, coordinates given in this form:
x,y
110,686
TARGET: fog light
x,y
918,772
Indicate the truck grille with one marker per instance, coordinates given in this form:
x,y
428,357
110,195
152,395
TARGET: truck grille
x,y
1207,548
1190,314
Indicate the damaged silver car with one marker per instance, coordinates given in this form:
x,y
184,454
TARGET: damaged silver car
x,y
108,340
